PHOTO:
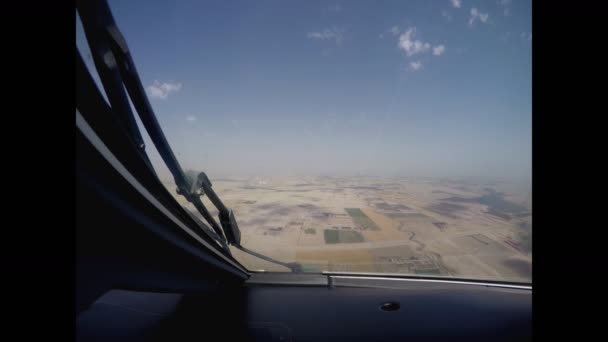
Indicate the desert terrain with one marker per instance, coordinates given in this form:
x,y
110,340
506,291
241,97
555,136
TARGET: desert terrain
x,y
382,225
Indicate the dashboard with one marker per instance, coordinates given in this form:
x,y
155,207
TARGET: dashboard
x,y
272,307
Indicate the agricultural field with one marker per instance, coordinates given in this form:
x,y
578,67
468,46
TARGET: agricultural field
x,y
378,225
342,236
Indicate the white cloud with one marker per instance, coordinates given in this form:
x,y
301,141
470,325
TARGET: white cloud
x,y
446,15
410,45
505,4
526,36
476,14
161,91
438,50
190,118
456,3
327,34
393,30
415,66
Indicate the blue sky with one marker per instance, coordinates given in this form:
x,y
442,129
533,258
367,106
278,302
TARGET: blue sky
x,y
413,88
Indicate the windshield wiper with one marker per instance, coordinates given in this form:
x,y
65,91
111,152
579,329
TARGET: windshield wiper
x,y
202,186
110,52
118,73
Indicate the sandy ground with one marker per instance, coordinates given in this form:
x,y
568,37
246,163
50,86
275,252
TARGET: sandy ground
x,y
425,227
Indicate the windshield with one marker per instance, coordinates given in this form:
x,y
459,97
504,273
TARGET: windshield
x,y
349,136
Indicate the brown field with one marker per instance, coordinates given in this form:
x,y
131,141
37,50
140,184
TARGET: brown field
x,y
423,227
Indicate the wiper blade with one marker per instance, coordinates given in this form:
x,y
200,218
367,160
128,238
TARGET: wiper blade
x,y
201,186
114,52
219,239
293,266
227,219
111,55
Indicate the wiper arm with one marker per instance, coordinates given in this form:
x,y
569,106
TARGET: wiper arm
x,y
293,266
202,186
115,53
111,55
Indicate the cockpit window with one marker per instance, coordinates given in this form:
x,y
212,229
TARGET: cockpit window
x,y
350,136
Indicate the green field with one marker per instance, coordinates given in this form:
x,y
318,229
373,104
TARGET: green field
x,y
361,219
311,231
311,268
342,236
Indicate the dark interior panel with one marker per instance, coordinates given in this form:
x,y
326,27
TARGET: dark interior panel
x,y
312,313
